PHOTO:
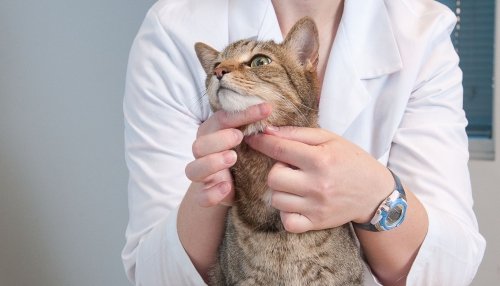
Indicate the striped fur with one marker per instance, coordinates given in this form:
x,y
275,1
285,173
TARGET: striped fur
x,y
256,249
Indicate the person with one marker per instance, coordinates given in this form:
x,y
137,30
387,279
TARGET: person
x,y
391,99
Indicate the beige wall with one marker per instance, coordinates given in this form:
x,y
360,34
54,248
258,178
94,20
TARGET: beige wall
x,y
486,186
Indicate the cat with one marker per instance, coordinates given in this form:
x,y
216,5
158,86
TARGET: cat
x,y
256,248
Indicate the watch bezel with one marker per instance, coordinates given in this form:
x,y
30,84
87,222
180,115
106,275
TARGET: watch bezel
x,y
395,199
399,202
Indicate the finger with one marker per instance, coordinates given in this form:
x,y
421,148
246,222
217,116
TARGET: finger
x,y
287,202
199,169
291,152
218,141
220,193
295,223
220,176
223,120
284,178
306,135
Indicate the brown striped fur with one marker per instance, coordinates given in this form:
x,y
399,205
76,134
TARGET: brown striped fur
x,y
256,249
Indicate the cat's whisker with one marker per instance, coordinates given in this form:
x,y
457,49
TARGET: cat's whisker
x,y
293,106
197,100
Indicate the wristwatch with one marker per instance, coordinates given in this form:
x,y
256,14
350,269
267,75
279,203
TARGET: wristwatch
x,y
391,212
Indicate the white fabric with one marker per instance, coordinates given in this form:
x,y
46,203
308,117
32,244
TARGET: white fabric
x,y
392,86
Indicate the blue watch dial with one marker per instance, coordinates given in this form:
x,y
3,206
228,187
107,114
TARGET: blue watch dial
x,y
394,216
391,212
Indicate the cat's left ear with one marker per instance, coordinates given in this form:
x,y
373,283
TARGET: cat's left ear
x,y
304,42
207,56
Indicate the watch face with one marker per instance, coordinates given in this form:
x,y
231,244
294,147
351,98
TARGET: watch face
x,y
395,214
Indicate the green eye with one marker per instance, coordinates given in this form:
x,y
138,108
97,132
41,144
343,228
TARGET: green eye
x,y
260,60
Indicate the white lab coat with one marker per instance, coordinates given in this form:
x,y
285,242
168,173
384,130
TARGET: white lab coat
x,y
392,86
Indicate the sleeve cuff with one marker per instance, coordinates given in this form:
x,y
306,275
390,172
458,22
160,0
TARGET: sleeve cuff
x,y
162,259
180,254
450,254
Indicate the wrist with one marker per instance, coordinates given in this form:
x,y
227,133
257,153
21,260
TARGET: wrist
x,y
377,193
391,212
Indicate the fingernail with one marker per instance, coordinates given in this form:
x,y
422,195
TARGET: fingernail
x,y
264,108
229,157
272,129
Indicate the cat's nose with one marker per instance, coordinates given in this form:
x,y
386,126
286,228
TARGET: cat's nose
x,y
219,72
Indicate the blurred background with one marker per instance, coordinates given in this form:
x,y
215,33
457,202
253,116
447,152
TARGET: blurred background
x,y
63,180
63,200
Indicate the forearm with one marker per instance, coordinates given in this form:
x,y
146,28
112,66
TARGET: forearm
x,y
391,254
195,222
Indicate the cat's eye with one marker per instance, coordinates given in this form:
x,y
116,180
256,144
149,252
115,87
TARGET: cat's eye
x,y
260,60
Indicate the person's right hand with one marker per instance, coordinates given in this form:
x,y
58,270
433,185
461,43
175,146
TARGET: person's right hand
x,y
214,156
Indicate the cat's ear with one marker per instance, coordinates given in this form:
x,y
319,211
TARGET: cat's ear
x,y
304,42
207,56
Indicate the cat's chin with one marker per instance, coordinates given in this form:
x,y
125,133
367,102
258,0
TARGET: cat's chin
x,y
254,128
232,101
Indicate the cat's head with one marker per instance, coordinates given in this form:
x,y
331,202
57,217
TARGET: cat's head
x,y
249,72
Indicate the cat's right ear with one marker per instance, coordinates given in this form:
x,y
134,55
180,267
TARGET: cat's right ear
x,y
303,41
207,56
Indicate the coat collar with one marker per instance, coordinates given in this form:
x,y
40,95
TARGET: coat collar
x,y
253,20
364,48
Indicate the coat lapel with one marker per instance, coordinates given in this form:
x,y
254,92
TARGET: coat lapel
x,y
253,20
364,48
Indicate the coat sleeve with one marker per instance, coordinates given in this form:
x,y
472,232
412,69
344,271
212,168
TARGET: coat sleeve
x,y
162,112
430,154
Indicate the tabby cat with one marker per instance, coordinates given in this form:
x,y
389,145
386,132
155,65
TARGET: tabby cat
x,y
256,249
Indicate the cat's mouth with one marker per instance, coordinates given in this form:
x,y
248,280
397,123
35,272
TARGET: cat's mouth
x,y
233,101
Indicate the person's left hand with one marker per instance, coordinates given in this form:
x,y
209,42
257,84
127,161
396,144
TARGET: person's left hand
x,y
321,180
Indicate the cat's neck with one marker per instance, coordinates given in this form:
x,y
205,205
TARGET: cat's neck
x,y
327,15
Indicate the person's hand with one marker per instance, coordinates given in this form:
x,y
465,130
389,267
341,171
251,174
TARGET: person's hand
x,y
213,155
321,180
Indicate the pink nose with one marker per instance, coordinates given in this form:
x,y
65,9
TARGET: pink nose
x,y
219,72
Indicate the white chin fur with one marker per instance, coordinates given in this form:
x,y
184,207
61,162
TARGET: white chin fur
x,y
232,101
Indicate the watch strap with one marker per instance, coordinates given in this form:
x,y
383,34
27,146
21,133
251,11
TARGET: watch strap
x,y
398,187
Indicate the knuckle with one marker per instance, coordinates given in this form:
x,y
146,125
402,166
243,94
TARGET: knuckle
x,y
324,187
223,119
251,112
232,138
323,160
278,150
205,199
210,200
190,173
324,190
196,148
208,125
